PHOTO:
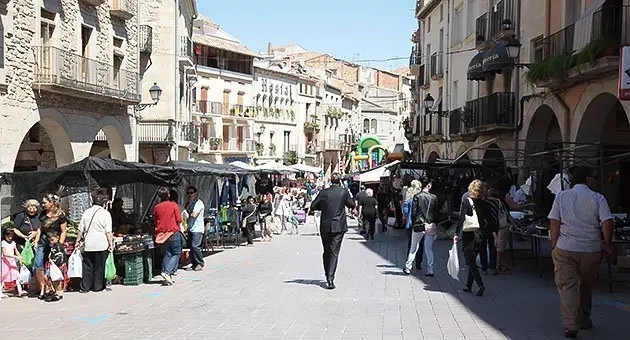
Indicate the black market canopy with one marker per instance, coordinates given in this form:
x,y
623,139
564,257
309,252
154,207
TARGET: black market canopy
x,y
475,67
199,169
496,59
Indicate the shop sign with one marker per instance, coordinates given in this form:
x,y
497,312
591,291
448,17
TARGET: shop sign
x,y
624,74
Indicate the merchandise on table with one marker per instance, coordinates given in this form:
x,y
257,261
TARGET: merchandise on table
x,y
622,229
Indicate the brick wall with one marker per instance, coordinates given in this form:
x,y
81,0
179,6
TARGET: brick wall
x,y
387,80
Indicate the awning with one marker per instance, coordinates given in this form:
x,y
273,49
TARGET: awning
x,y
496,59
306,168
475,67
374,175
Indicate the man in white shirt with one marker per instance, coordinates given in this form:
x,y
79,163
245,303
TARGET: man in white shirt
x,y
577,219
196,227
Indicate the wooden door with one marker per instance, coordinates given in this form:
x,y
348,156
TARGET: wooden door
x,y
239,136
226,137
203,101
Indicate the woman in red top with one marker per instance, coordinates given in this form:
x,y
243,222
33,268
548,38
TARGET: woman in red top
x,y
167,218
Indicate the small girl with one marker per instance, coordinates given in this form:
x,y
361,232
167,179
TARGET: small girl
x,y
10,257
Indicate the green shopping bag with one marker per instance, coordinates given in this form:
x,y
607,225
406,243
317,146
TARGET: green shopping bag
x,y
110,267
28,256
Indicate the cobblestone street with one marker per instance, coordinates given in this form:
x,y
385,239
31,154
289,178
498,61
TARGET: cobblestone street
x,y
272,291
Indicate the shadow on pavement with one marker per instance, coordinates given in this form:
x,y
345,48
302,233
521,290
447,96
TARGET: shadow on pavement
x,y
307,282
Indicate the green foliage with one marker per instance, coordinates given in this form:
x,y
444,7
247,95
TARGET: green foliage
x,y
311,126
557,67
290,158
334,113
292,115
272,149
260,148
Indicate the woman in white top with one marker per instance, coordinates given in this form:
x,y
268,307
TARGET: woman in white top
x,y
95,239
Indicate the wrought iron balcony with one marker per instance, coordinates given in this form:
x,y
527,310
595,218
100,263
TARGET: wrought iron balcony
x,y
431,125
186,50
505,10
145,39
559,43
455,122
60,71
496,111
123,9
610,24
481,29
189,132
205,107
437,65
156,131
94,3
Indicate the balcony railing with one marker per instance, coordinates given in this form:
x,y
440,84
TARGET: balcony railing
x,y
559,43
123,9
238,111
431,125
455,122
145,38
208,107
189,132
239,145
186,48
437,65
504,10
610,23
60,71
495,110
481,28
332,144
156,131
423,76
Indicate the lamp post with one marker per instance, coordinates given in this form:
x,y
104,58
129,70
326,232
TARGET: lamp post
x,y
155,92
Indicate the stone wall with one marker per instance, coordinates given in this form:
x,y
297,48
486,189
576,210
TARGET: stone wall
x,y
79,119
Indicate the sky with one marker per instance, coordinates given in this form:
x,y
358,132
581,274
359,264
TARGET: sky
x,y
352,30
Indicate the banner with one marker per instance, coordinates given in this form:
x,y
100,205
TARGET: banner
x,y
624,73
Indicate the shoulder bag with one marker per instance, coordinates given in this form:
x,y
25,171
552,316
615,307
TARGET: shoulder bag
x,y
418,228
85,231
471,223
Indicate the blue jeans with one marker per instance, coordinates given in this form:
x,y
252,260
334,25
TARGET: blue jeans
x,y
196,253
172,250
41,255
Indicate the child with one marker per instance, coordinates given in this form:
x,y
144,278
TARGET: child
x,y
59,258
10,257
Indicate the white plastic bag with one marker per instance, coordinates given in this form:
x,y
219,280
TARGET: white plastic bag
x,y
25,275
453,262
55,272
75,265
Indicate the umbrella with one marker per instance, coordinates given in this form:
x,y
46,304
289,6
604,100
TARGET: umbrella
x,y
306,168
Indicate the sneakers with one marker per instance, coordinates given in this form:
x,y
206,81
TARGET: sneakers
x,y
168,280
406,271
198,268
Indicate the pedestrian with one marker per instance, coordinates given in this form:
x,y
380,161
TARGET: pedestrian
x,y
168,234
52,220
332,202
26,223
505,221
95,240
414,188
473,226
250,211
10,260
264,218
358,201
577,219
424,214
368,211
195,211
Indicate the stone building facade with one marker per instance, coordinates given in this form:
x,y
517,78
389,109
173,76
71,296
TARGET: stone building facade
x,y
69,72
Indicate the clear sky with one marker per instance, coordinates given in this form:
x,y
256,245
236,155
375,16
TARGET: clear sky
x,y
352,30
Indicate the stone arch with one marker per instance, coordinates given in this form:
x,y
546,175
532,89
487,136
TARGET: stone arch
x,y
465,158
117,136
585,113
433,157
59,139
589,128
493,158
544,127
532,111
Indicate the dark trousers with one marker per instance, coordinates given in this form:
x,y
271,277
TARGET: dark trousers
x,y
487,245
196,240
332,244
473,270
420,252
369,224
249,232
94,270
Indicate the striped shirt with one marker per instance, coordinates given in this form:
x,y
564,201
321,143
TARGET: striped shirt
x,y
581,212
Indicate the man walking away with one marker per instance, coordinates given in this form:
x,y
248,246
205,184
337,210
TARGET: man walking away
x,y
332,203
368,209
432,210
359,202
577,218
196,227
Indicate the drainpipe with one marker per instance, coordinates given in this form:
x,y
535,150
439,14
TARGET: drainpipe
x,y
448,60
517,88
176,101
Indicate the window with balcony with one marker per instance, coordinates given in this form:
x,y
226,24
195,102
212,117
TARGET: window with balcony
x,y
458,34
537,49
374,126
470,17
47,28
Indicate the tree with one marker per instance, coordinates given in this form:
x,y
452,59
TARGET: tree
x,y
290,158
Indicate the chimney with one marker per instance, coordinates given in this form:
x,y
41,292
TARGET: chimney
x,y
269,48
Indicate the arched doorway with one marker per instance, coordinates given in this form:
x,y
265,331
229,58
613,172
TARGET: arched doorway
x,y
46,145
494,161
606,122
433,157
543,136
108,143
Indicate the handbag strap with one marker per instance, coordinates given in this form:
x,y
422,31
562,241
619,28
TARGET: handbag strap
x,y
89,225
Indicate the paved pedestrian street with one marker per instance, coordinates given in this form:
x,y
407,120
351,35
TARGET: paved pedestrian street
x,y
273,291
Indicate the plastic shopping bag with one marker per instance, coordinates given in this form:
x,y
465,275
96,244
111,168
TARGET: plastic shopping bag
x,y
110,268
28,257
55,273
25,275
453,262
75,265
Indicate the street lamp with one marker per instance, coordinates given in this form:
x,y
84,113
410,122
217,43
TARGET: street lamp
x,y
155,92
428,102
513,48
506,25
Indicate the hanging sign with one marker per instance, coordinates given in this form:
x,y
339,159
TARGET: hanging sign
x,y
624,73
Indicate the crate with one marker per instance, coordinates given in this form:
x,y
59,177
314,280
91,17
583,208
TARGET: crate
x,y
148,267
134,268
133,280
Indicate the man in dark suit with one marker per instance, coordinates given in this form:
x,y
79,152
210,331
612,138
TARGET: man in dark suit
x,y
332,202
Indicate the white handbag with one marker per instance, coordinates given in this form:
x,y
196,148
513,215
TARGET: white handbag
x,y
471,223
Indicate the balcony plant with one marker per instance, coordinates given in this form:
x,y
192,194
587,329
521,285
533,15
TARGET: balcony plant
x,y
311,126
266,112
260,148
292,115
290,158
272,149
233,112
215,143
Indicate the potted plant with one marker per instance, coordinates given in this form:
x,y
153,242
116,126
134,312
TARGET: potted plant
x,y
260,148
215,143
292,115
272,149
232,112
